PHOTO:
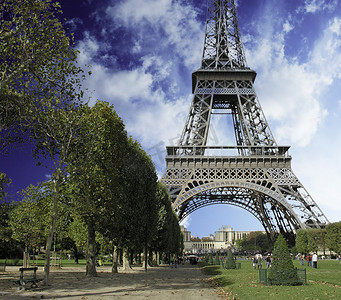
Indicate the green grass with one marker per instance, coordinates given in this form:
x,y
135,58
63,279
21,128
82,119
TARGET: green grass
x,y
40,262
322,283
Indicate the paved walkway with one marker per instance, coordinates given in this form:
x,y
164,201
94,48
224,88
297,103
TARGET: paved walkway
x,y
186,283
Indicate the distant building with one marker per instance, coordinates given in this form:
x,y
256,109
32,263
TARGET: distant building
x,y
221,241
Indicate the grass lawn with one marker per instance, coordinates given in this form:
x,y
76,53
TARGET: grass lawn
x,y
322,283
40,262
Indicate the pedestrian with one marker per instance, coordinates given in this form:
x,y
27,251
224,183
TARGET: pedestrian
x,y
314,260
268,261
309,260
301,258
254,262
259,261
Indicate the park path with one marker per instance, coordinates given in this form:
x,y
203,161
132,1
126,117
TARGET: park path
x,y
186,282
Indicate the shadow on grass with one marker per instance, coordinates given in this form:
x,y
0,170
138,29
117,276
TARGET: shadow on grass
x,y
223,280
211,270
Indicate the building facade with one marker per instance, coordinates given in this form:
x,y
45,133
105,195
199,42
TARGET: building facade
x,y
221,241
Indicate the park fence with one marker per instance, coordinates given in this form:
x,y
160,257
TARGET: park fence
x,y
301,273
238,265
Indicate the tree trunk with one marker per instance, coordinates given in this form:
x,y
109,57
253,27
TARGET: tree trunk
x,y
91,252
114,260
131,261
157,254
145,262
150,258
126,265
75,253
52,227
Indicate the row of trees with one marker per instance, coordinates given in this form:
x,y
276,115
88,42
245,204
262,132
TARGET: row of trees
x,y
306,241
312,240
255,241
102,180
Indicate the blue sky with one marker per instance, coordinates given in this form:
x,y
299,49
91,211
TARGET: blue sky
x,y
142,54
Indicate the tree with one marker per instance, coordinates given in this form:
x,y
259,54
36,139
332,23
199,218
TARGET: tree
x,y
302,241
230,262
210,259
8,246
316,239
139,209
282,271
333,237
77,232
28,219
39,88
216,259
256,240
4,183
95,173
37,64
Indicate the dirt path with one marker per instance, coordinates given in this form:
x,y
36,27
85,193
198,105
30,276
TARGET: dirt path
x,y
186,283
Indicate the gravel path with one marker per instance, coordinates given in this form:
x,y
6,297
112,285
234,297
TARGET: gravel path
x,y
186,282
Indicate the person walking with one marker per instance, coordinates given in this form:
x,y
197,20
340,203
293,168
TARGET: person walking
x,y
254,262
314,260
268,261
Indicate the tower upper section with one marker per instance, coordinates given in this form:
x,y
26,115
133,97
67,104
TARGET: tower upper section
x,y
223,49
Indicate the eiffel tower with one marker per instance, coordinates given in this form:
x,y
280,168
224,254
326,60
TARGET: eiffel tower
x,y
255,174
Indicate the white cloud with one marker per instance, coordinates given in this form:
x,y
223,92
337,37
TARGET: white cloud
x,y
173,24
151,117
336,26
287,27
291,92
325,58
313,6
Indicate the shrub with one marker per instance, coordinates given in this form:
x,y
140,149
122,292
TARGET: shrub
x,y
230,262
282,271
216,259
210,259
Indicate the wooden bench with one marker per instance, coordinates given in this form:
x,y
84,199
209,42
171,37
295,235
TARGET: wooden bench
x,y
31,278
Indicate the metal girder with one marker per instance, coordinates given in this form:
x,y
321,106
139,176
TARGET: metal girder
x,y
255,174
223,48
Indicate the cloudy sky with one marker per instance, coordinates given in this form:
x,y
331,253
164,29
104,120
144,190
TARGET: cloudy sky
x,y
142,54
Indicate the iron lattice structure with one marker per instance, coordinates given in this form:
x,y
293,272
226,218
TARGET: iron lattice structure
x,y
256,173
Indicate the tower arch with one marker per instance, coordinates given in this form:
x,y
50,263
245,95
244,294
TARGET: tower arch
x,y
260,199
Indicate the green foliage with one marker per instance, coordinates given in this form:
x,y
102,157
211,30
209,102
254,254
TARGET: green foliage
x,y
316,239
210,259
8,246
216,259
255,241
333,237
168,238
230,262
282,271
95,168
294,251
29,219
37,65
4,183
302,241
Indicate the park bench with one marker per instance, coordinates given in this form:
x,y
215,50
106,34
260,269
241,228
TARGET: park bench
x,y
31,278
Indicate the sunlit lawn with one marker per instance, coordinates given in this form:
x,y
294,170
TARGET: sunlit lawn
x,y
322,283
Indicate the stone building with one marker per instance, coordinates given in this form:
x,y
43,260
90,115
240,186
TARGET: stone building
x,y
223,239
